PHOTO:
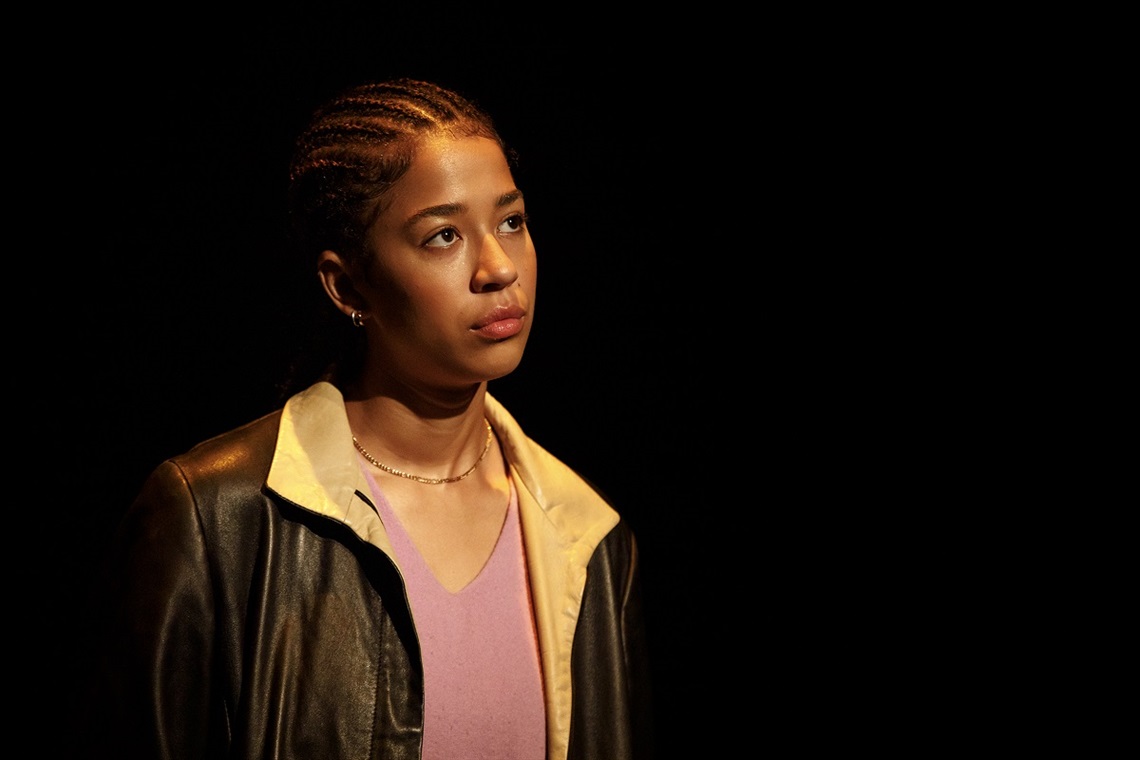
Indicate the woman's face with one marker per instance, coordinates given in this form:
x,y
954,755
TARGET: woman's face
x,y
451,286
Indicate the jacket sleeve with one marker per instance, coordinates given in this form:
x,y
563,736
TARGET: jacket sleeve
x,y
149,692
612,693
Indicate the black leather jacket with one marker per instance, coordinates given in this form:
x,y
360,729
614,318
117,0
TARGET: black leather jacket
x,y
254,609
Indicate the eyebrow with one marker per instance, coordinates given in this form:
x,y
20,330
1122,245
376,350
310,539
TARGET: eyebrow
x,y
507,199
447,209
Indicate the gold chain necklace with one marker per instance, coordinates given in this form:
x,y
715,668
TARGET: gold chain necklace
x,y
417,478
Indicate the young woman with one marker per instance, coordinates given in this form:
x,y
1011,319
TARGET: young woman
x,y
387,566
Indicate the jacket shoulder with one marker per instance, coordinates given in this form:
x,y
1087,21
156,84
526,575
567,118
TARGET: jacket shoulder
x,y
243,450
233,464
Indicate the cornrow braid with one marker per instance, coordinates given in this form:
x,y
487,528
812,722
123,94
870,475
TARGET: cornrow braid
x,y
354,149
357,146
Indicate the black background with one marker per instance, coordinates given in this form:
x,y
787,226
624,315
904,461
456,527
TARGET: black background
x,y
774,320
674,182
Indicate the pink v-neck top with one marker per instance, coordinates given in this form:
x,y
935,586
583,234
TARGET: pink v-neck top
x,y
482,682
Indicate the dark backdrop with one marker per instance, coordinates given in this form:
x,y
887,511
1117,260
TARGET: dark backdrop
x,y
664,363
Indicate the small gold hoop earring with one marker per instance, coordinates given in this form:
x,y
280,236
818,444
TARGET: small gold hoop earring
x,y
357,318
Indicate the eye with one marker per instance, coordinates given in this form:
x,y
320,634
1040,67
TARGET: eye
x,y
443,238
513,223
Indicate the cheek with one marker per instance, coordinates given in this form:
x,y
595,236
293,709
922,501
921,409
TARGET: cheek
x,y
434,300
411,294
392,301
528,268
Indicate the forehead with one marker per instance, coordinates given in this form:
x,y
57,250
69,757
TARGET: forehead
x,y
446,169
442,153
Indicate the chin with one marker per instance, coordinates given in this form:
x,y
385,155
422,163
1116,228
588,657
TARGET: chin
x,y
504,363
502,371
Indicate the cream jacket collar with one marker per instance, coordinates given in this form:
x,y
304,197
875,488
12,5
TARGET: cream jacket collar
x,y
563,520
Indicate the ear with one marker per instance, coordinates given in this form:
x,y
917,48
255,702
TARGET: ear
x,y
337,281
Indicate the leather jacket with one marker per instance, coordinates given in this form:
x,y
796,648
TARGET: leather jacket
x,y
253,607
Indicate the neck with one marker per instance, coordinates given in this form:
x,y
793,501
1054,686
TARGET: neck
x,y
386,394
430,440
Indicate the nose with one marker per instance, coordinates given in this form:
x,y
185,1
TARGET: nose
x,y
495,268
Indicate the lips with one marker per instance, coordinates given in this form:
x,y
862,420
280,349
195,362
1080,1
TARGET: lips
x,y
499,313
501,322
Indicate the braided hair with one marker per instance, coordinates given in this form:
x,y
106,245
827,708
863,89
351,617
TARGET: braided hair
x,y
354,149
